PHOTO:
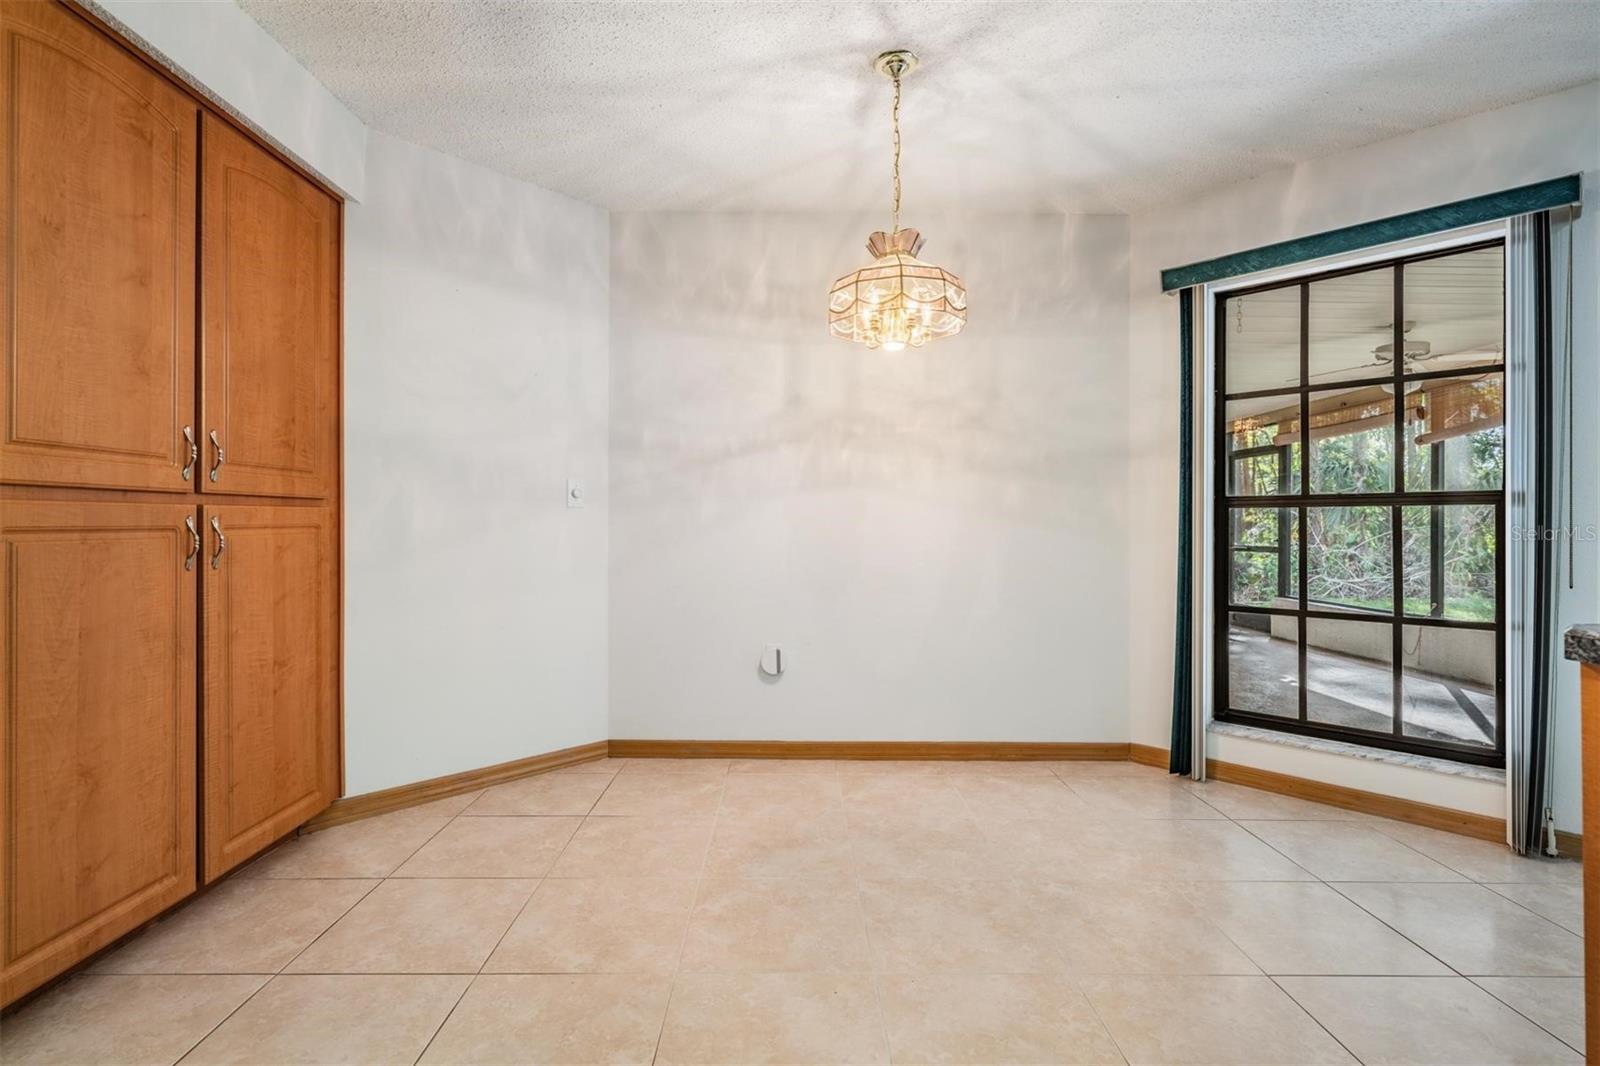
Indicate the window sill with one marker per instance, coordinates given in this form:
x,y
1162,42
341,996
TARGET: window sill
x,y
1358,751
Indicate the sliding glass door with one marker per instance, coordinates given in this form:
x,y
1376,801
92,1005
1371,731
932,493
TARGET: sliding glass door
x,y
1360,516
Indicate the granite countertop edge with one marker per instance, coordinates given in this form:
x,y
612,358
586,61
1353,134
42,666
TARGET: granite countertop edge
x,y
1583,644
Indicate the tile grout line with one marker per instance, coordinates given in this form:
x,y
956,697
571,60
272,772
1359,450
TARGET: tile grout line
x,y
688,924
1425,855
1318,1021
1321,881
1521,1013
390,877
874,975
538,884
1332,886
1335,886
1094,1010
1517,902
280,971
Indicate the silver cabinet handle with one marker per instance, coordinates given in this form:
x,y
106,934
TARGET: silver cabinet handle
x,y
222,543
194,452
217,444
194,543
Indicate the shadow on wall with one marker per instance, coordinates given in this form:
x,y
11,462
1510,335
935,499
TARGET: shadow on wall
x,y
478,323
725,382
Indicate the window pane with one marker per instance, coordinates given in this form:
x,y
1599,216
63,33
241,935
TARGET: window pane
x,y
1267,573
1264,664
1461,539
1448,684
1261,340
1455,307
1455,430
1352,440
1256,475
1349,561
1349,679
1255,578
1255,526
1351,327
1263,423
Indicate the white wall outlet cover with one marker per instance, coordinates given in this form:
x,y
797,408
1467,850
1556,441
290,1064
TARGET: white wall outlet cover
x,y
576,493
773,660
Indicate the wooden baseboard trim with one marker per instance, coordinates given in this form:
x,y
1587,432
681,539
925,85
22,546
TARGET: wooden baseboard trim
x,y
1569,845
353,808
1148,755
1481,826
866,749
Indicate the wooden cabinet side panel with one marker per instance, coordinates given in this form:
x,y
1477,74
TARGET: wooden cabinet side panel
x,y
97,815
270,321
1589,684
269,714
97,224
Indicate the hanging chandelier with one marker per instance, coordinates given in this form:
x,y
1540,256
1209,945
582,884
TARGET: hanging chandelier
x,y
897,300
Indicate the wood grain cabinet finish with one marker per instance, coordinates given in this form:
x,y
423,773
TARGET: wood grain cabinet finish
x,y
270,318
97,806
171,706
97,227
1589,687
269,722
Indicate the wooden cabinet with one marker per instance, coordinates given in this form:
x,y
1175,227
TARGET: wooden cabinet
x,y
1589,687
97,168
269,729
99,727
162,276
270,322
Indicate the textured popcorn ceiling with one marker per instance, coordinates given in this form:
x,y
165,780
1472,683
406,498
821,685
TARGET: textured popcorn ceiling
x,y
1088,107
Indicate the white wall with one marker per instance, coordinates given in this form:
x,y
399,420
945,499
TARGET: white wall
x,y
475,383
224,54
1543,138
936,537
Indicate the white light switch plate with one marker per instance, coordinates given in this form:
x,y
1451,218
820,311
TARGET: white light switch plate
x,y
575,492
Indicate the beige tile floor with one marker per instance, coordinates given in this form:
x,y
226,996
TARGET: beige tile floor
x,y
708,911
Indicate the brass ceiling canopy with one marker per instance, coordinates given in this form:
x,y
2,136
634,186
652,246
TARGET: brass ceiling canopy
x,y
896,63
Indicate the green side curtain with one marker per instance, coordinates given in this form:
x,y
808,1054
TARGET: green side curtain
x,y
1546,641
1179,752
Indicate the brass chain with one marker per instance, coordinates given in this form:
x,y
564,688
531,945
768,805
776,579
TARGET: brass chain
x,y
896,152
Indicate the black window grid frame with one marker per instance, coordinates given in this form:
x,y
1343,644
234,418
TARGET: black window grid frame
x,y
1435,498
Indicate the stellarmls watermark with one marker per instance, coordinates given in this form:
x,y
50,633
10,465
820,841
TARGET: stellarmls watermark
x,y
1579,534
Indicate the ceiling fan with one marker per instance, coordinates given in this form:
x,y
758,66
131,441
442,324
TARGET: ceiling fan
x,y
1414,352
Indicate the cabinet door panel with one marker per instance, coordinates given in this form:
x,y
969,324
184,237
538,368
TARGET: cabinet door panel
x,y
97,807
97,181
270,321
269,721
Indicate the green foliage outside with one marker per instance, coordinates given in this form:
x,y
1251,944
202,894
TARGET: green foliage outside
x,y
1351,561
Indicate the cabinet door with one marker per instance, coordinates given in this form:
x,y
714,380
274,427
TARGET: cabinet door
x,y
269,722
270,319
97,815
97,186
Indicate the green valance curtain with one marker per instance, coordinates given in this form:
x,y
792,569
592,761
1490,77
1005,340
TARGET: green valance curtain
x,y
1540,196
